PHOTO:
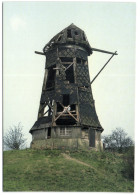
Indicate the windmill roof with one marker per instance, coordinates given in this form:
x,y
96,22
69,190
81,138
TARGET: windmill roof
x,y
70,35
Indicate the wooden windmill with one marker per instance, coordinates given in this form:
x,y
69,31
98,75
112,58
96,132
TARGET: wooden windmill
x,y
67,117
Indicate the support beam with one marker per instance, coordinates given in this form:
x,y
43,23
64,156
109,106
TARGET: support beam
x,y
42,107
103,67
69,66
46,112
50,105
66,110
38,52
103,51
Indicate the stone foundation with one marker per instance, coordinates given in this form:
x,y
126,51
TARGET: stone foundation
x,y
66,138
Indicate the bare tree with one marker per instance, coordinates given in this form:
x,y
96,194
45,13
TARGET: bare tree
x,y
118,140
14,138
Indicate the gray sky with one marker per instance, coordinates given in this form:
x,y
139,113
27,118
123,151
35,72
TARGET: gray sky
x,y
28,26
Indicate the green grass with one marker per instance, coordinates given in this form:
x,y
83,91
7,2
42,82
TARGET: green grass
x,y
50,170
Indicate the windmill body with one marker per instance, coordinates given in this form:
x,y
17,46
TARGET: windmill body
x,y
67,117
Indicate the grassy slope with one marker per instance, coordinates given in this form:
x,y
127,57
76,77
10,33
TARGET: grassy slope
x,y
46,170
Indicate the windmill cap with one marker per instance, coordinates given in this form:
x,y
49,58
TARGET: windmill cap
x,y
70,35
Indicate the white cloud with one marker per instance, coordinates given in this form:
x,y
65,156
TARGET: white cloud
x,y
17,23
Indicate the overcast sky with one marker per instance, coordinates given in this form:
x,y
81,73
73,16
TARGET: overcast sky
x,y
28,26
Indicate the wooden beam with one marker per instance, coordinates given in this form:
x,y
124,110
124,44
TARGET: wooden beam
x,y
38,52
42,107
103,67
66,110
46,112
67,114
69,66
103,51
50,105
72,116
59,115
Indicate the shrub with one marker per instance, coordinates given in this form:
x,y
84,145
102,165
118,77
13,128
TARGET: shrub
x,y
128,163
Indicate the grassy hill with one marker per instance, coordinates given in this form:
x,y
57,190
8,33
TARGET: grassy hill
x,y
55,170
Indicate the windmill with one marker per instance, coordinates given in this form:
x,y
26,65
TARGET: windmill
x,y
67,116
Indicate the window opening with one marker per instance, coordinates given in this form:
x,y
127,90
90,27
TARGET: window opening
x,y
86,87
67,62
49,132
65,132
81,61
70,74
51,78
66,100
59,38
69,33
78,60
46,110
76,33
62,131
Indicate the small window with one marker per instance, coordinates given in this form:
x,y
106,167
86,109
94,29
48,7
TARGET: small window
x,y
62,131
59,39
69,33
86,87
81,61
65,132
78,60
76,33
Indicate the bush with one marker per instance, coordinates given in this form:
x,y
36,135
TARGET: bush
x,y
128,163
118,141
14,138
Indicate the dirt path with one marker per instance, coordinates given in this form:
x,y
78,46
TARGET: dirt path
x,y
75,160
66,156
